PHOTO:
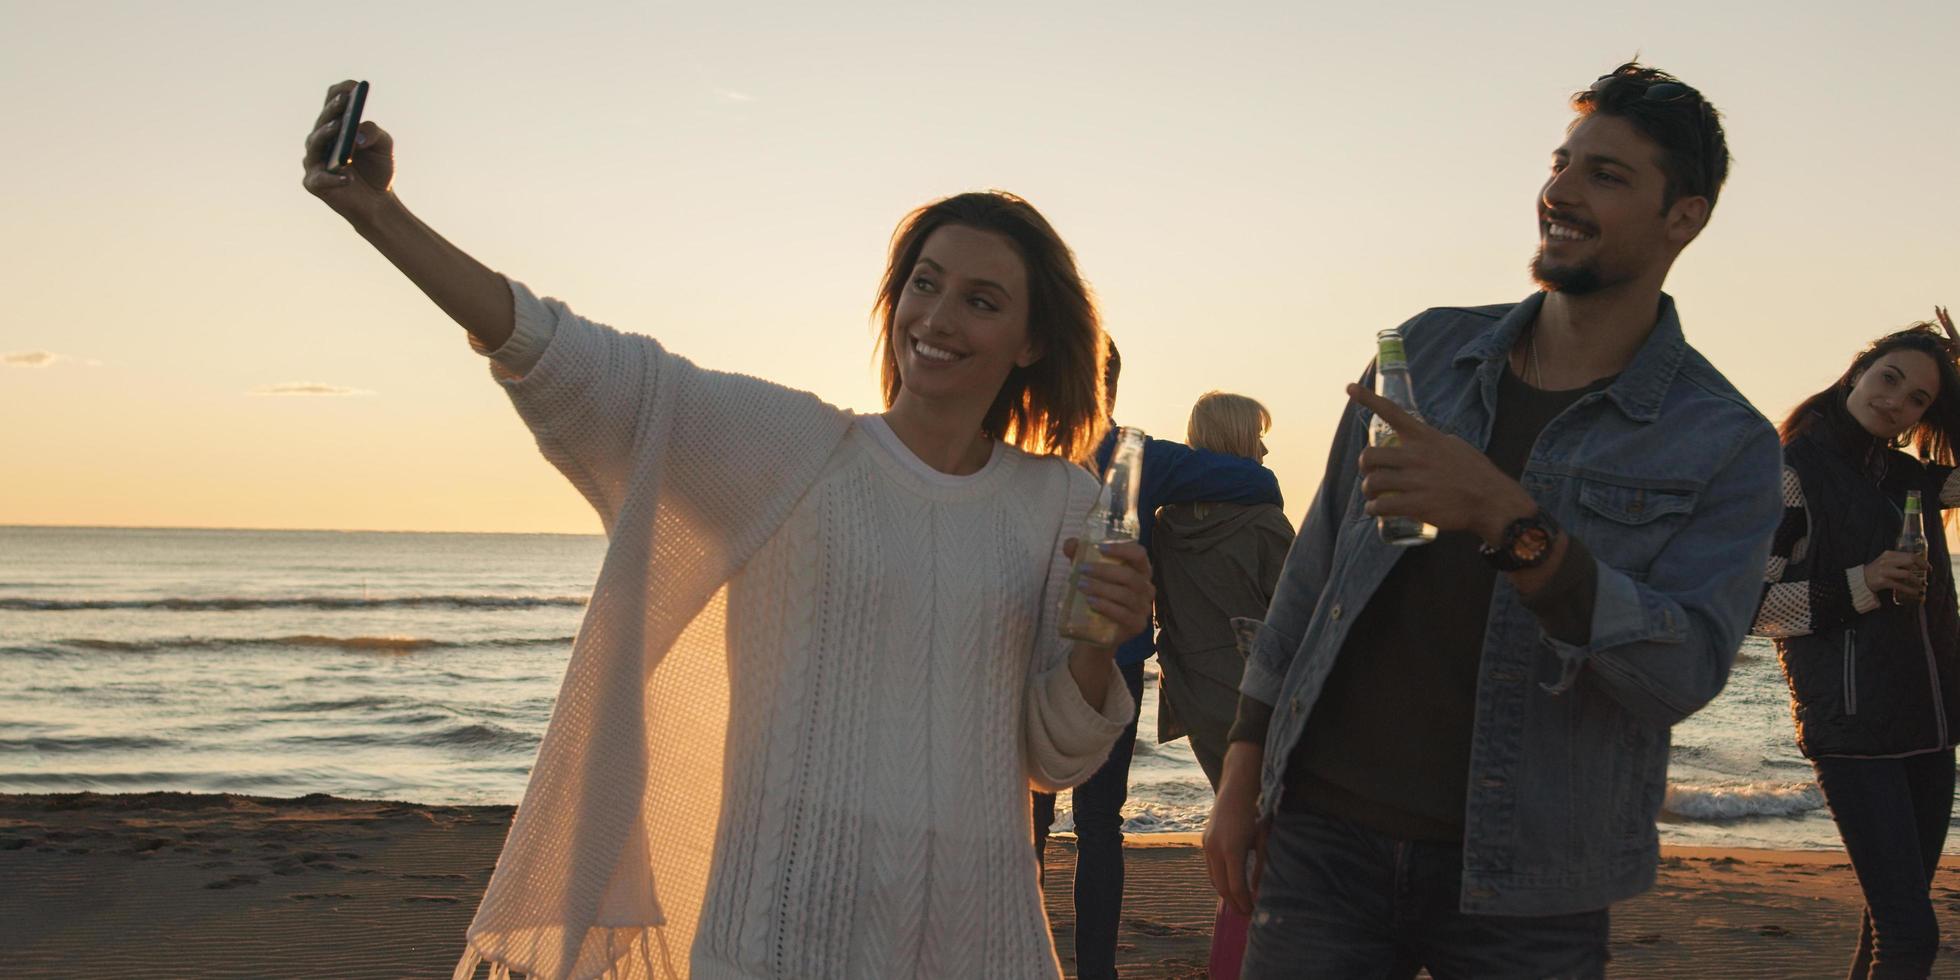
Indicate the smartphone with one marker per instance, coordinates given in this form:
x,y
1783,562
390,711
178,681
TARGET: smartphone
x,y
341,154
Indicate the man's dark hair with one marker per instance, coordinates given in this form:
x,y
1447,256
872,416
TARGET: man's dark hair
x,y
1694,150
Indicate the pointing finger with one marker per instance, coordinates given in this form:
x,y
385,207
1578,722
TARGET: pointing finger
x,y
1402,422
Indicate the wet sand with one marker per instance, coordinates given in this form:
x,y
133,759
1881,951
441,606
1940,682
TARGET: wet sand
x,y
181,885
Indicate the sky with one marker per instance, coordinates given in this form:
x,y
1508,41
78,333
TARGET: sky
x,y
1253,190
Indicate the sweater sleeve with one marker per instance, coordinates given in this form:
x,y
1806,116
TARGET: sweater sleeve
x,y
1798,600
603,403
1947,480
529,335
1066,738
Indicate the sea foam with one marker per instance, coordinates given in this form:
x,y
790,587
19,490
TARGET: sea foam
x,y
1741,801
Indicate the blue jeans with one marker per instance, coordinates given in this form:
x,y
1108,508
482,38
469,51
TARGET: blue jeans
x,y
1893,815
1340,902
1098,846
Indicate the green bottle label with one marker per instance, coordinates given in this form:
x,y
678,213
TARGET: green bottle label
x,y
1392,355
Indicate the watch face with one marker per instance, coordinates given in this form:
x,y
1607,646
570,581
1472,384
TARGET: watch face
x,y
1527,543
1532,543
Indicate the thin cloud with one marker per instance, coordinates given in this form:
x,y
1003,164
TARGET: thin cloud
x,y
42,358
309,388
730,95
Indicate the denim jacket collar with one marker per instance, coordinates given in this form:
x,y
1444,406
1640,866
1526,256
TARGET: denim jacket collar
x,y
1638,390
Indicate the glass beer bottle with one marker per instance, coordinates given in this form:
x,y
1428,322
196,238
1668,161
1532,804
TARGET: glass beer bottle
x,y
1392,383
1114,518
1912,540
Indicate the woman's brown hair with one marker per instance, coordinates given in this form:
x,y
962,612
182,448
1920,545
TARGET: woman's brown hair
x,y
1053,406
1938,431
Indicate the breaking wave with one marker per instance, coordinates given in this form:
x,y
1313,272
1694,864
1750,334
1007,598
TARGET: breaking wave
x,y
1690,801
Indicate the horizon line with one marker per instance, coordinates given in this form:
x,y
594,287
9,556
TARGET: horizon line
x,y
296,530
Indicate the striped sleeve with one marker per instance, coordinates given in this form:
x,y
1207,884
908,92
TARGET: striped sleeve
x,y
1799,606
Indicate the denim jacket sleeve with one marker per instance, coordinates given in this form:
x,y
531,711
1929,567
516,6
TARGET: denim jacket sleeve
x,y
1309,563
1663,646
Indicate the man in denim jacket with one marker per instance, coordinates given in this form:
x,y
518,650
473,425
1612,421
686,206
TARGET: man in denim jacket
x,y
1455,753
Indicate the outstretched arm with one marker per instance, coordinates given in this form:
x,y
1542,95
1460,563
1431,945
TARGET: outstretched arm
x,y
467,290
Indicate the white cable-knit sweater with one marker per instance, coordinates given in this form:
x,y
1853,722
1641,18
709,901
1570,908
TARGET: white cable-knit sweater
x,y
812,687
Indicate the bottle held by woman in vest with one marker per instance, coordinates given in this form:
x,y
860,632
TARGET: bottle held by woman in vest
x,y
1859,598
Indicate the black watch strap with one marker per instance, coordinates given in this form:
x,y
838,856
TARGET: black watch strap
x,y
1527,543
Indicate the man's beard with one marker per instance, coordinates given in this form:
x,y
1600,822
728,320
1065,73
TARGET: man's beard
x,y
1572,280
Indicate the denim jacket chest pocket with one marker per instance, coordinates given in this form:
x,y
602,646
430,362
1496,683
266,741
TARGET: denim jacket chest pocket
x,y
1626,522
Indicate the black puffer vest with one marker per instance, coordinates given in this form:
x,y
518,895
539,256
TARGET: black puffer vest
x,y
1887,683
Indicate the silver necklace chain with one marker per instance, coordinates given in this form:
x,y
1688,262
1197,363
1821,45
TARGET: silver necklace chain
x,y
1528,370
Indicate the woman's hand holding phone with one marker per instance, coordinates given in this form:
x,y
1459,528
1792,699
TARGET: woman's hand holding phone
x,y
357,190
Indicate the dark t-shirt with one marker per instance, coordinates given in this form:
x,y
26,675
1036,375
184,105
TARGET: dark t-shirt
x,y
1387,744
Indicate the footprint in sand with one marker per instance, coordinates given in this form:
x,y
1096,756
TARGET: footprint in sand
x,y
437,876
1772,930
435,899
232,882
1151,927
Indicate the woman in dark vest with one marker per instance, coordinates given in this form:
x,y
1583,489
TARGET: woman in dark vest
x,y
1868,635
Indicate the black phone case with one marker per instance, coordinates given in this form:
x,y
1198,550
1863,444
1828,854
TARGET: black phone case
x,y
341,155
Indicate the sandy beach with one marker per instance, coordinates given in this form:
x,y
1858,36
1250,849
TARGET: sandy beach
x,y
183,885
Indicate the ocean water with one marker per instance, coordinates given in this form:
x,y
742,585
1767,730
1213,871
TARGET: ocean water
x,y
423,667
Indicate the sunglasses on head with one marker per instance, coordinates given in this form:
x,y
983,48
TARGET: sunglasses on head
x,y
1654,92
1663,92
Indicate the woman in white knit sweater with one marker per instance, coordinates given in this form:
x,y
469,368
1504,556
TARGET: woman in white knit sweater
x,y
820,665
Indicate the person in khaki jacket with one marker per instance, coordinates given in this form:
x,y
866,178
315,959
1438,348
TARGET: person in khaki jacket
x,y
1214,563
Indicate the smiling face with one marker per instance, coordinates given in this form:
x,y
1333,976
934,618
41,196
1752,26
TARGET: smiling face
x,y
1892,394
1601,222
961,321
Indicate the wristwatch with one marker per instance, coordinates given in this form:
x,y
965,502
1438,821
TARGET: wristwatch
x,y
1527,543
